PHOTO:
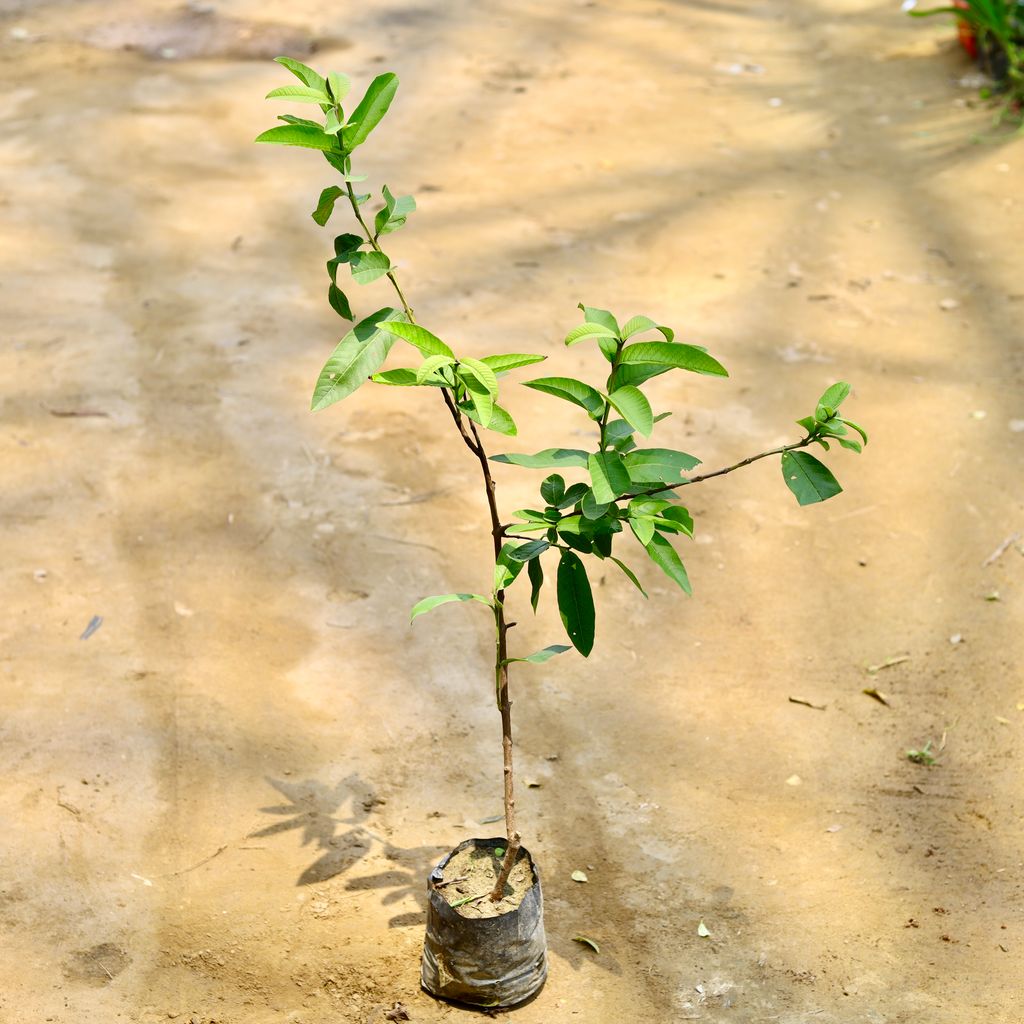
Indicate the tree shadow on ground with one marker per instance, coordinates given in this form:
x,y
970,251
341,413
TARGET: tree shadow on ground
x,y
334,820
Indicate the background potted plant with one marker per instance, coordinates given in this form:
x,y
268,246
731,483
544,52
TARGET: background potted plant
x,y
485,940
992,32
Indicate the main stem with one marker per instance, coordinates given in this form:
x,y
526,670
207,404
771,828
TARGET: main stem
x,y
471,438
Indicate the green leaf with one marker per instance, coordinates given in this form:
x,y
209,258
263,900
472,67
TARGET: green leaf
x,y
299,94
346,249
544,518
332,123
304,74
588,330
835,395
810,480
576,602
552,490
658,465
430,366
571,390
854,446
572,495
404,377
643,528
346,246
535,570
325,207
593,315
419,337
632,405
609,475
482,372
505,568
530,550
338,85
644,323
394,213
499,364
430,603
550,458
685,357
368,266
480,395
591,507
579,542
860,430
664,556
675,519
292,119
360,353
299,135
539,657
339,302
372,107
631,576
500,422
636,374
618,430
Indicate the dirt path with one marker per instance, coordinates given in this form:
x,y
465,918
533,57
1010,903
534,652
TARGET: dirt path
x,y
221,806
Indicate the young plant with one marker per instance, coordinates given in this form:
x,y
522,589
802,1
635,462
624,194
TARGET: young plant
x,y
622,490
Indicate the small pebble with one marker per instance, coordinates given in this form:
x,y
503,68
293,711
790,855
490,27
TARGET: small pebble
x,y
40,575
794,780
956,638
947,305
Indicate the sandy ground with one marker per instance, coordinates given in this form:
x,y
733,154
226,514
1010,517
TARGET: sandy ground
x,y
222,805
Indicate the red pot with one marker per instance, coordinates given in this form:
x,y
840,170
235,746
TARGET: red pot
x,y
966,34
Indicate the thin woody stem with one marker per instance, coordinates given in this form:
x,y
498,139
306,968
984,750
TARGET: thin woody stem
x,y
721,472
471,438
506,867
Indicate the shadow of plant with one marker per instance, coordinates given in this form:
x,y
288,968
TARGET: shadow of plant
x,y
322,814
333,819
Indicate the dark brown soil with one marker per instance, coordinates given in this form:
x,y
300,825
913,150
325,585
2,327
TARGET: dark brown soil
x,y
478,868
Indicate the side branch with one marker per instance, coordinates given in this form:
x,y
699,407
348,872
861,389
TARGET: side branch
x,y
721,472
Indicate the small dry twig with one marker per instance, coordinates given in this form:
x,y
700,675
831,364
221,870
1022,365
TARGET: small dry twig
x,y
1001,550
450,881
61,802
806,703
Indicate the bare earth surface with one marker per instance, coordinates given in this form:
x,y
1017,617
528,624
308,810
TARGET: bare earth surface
x,y
223,804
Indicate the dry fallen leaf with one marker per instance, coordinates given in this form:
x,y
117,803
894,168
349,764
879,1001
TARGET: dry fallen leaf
x,y
888,663
587,942
702,930
877,695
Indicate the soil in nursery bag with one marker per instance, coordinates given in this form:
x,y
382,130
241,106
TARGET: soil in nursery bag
x,y
473,871
477,952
